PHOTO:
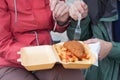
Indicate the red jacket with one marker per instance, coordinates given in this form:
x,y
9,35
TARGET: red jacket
x,y
23,23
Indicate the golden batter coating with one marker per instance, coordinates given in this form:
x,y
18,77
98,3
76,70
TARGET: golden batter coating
x,y
75,47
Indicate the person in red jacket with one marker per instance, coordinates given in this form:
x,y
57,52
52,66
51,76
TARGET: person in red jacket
x,y
28,23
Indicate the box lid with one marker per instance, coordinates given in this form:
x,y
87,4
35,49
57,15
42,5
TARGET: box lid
x,y
38,57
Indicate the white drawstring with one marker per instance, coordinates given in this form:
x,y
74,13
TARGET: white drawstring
x,y
55,25
15,7
36,37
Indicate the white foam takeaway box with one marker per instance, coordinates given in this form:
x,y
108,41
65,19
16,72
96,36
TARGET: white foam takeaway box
x,y
46,56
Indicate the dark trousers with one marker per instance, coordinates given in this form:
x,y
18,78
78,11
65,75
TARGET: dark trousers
x,y
119,73
57,73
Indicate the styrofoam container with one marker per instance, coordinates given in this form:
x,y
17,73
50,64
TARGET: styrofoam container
x,y
46,56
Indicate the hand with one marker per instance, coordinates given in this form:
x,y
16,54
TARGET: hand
x,y
78,7
105,47
61,12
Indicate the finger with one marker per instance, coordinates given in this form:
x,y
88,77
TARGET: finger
x,y
59,8
105,49
78,6
78,14
71,13
53,4
100,54
56,9
84,15
50,2
80,9
84,5
74,12
64,11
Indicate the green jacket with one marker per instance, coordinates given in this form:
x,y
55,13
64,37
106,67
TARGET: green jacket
x,y
108,67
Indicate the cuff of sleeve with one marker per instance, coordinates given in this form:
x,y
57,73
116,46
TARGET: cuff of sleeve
x,y
61,28
62,24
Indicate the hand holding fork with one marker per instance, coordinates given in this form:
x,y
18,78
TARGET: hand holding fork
x,y
77,10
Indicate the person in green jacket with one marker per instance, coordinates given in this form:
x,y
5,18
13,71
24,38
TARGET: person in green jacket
x,y
99,26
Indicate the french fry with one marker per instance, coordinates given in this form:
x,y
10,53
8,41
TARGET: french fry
x,y
67,56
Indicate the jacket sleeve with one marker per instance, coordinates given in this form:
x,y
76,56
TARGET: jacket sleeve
x,y
86,32
8,46
59,28
115,52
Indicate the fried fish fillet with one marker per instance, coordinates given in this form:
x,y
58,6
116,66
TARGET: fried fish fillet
x,y
75,47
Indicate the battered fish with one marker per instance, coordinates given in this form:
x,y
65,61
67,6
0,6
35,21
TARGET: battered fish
x,y
75,47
